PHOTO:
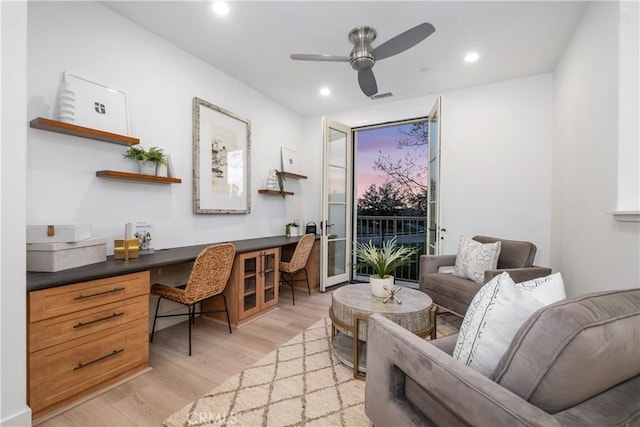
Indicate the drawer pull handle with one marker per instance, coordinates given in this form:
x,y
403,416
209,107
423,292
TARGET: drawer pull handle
x,y
110,291
90,322
84,365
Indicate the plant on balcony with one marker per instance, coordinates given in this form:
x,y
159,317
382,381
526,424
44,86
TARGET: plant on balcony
x,y
383,261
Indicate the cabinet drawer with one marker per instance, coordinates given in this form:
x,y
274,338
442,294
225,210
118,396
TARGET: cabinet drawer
x,y
65,370
56,330
80,296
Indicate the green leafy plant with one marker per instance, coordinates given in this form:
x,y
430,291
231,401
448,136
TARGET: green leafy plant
x,y
156,155
136,152
383,260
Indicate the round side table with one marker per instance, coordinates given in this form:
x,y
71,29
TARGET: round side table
x,y
351,306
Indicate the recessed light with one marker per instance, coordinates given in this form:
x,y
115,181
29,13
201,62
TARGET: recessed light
x,y
220,8
325,91
471,57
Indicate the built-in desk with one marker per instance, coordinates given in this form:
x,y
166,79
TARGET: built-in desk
x,y
161,258
88,326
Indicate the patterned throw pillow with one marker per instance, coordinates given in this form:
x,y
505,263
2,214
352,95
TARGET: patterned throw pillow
x,y
496,313
492,320
474,258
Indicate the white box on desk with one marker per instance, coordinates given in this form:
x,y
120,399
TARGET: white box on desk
x,y
52,257
58,233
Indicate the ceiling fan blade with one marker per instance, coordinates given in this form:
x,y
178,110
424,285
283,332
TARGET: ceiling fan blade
x,y
311,57
367,82
403,41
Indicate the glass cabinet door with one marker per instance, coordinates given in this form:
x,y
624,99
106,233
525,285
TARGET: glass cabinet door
x,y
270,275
250,283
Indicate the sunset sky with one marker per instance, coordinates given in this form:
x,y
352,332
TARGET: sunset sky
x,y
370,143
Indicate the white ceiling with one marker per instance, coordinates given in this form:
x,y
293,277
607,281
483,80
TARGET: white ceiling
x,y
253,43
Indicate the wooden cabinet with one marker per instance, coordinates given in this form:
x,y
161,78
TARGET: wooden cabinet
x,y
252,290
84,336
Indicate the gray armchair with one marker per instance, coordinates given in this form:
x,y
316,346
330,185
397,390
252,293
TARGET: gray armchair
x,y
455,293
573,363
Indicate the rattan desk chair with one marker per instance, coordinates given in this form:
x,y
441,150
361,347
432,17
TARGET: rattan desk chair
x,y
298,262
208,278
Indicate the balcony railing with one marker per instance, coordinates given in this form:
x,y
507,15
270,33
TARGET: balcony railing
x,y
409,231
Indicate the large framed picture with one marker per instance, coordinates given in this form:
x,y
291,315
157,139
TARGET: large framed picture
x,y
221,156
98,106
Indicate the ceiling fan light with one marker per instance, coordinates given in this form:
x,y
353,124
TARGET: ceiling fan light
x,y
471,57
220,7
325,91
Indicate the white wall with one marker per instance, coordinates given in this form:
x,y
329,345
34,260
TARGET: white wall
x,y
628,108
160,81
496,158
592,250
13,157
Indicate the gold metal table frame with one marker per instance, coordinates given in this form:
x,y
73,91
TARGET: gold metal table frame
x,y
355,329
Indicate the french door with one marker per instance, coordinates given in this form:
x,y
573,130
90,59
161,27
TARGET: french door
x,y
337,195
434,228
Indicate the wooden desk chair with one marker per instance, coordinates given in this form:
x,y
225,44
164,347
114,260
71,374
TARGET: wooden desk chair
x,y
208,278
298,262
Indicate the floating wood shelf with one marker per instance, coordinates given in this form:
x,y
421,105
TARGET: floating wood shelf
x,y
75,130
291,175
275,192
137,177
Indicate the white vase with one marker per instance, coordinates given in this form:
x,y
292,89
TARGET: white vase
x,y
377,286
147,168
66,103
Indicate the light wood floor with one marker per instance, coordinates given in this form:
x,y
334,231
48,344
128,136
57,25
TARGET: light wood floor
x,y
177,379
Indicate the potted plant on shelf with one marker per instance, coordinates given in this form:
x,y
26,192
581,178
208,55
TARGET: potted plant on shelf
x,y
383,261
156,156
148,161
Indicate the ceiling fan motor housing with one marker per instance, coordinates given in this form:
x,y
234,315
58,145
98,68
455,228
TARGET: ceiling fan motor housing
x,y
361,56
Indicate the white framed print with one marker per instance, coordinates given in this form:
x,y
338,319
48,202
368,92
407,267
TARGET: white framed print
x,y
98,106
221,160
290,161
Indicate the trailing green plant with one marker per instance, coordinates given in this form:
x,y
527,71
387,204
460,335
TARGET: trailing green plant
x,y
281,180
383,260
288,227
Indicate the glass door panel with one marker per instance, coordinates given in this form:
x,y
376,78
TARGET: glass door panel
x,y
336,196
337,259
269,277
433,200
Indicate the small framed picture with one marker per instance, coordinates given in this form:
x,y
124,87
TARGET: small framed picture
x,y
97,106
290,160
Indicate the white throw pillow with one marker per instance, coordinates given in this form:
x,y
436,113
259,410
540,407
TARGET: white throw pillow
x,y
496,313
474,258
547,289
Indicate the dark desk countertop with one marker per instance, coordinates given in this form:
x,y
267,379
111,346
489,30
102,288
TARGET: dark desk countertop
x,y
161,258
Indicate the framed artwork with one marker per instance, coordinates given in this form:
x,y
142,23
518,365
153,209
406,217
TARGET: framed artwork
x,y
221,155
97,106
290,160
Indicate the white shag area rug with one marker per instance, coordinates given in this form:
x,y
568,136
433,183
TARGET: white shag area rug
x,y
299,384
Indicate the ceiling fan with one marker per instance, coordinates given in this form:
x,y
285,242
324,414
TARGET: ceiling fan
x,y
363,56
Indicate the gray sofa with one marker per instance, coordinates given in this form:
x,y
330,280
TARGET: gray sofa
x,y
573,363
455,293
